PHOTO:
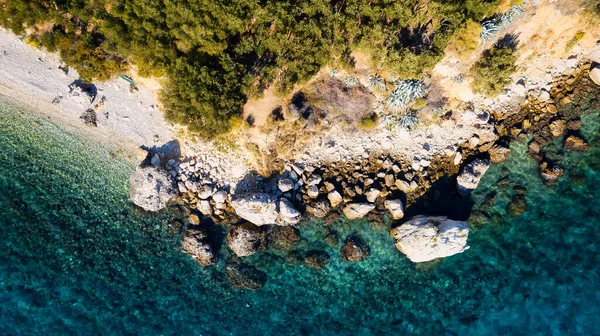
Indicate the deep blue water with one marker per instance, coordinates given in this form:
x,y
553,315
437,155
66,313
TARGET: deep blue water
x,y
77,258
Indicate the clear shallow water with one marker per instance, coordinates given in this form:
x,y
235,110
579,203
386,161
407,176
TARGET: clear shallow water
x,y
77,258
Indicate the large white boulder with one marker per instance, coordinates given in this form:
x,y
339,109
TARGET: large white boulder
x,y
357,210
428,238
151,188
595,74
469,177
264,209
258,208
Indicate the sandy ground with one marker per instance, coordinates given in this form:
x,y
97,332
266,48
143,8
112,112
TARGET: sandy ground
x,y
33,78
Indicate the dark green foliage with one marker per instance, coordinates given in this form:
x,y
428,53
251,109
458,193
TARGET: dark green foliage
x,y
216,53
492,72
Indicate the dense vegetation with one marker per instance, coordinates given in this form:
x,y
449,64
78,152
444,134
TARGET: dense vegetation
x,y
217,53
492,72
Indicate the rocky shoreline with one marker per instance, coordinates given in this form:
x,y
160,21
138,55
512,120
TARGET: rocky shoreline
x,y
266,212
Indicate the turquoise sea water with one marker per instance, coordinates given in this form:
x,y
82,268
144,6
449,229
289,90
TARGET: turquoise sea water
x,y
77,258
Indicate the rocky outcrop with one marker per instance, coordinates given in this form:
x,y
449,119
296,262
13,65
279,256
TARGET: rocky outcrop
x,y
257,208
357,210
151,188
317,259
354,249
245,239
244,276
428,238
195,243
396,208
469,177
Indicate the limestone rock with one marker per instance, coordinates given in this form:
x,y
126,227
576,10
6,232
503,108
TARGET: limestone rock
x,y
334,198
219,196
428,238
285,184
195,243
258,208
498,154
403,186
551,172
244,276
357,210
372,195
469,178
151,188
319,209
317,259
313,180
205,192
287,213
313,191
194,219
558,127
245,239
204,207
575,143
354,249
395,207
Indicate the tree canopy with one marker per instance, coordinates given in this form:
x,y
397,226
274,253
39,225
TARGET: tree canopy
x,y
216,54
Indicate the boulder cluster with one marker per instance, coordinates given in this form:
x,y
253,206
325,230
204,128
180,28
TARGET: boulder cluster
x,y
552,113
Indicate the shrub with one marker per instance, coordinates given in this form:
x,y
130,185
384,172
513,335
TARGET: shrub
x,y
368,122
465,40
492,72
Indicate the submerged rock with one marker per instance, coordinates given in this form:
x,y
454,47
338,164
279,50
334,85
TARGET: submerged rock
x,y
428,238
357,210
259,208
245,276
550,171
282,238
317,259
151,188
517,206
195,243
469,178
355,249
245,239
575,143
395,207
